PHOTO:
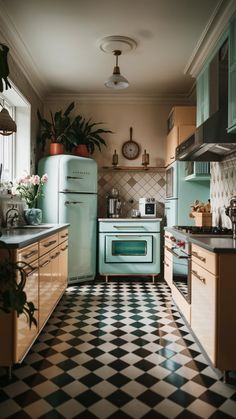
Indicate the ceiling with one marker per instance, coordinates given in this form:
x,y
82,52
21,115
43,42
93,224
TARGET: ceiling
x,y
58,40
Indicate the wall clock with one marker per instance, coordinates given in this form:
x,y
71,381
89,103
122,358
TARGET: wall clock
x,y
130,149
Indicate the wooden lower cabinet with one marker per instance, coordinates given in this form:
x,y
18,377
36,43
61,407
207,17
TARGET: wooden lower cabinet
x,y
213,309
45,284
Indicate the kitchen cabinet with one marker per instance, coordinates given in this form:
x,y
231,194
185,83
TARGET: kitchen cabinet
x,y
213,305
168,260
180,124
203,100
232,77
46,282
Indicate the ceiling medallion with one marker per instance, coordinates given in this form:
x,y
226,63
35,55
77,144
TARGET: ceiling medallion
x,y
117,42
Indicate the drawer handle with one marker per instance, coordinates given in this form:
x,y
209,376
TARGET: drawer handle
x,y
32,272
64,248
50,243
165,263
54,256
65,235
128,227
175,254
28,255
199,257
44,264
199,277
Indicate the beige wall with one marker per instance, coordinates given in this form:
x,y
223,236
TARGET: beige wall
x,y
148,122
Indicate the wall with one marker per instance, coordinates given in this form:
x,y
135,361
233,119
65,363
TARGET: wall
x,y
149,130
223,187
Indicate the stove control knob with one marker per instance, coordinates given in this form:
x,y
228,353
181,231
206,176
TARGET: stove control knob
x,y
173,239
181,243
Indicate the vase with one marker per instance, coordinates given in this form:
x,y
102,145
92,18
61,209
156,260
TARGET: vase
x,y
33,216
81,150
56,148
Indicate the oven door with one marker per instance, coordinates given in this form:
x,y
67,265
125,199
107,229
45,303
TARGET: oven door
x,y
123,248
181,272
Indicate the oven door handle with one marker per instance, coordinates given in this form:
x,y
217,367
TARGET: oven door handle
x,y
129,227
129,237
175,254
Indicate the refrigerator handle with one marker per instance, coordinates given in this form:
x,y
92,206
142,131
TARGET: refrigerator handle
x,y
73,202
74,177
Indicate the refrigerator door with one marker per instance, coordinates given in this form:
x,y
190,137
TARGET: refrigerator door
x,y
80,210
77,174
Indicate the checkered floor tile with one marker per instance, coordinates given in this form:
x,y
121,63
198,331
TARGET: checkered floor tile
x,y
116,350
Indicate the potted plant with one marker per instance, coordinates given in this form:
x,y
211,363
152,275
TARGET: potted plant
x,y
84,136
13,276
56,130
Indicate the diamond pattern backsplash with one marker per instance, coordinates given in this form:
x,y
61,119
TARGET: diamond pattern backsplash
x,y
131,185
223,187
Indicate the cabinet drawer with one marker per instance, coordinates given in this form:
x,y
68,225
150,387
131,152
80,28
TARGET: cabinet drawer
x,y
48,244
129,226
204,258
28,254
63,235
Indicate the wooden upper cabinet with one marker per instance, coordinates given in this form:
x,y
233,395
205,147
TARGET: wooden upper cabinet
x,y
180,124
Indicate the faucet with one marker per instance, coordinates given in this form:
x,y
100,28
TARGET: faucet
x,y
231,212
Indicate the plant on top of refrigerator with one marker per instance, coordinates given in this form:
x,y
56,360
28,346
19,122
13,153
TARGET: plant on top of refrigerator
x,y
87,132
57,129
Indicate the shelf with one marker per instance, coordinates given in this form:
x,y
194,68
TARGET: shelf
x,y
134,168
196,177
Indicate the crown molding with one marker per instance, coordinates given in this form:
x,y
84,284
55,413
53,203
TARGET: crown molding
x,y
214,29
119,98
20,53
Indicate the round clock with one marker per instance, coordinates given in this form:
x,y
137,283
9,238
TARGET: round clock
x,y
130,149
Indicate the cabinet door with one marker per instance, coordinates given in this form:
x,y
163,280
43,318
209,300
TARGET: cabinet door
x,y
55,284
171,144
203,96
63,265
168,268
25,336
232,78
203,310
45,293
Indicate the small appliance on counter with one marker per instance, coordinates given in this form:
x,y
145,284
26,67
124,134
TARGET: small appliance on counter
x,y
113,204
231,212
147,207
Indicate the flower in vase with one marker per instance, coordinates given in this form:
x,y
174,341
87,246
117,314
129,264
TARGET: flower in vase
x,y
30,188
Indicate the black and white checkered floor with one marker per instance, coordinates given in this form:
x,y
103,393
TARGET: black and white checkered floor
x,y
116,350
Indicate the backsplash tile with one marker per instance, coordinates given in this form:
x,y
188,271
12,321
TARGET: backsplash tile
x,y
131,185
223,187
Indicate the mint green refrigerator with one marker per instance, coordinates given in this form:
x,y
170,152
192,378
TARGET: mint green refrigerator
x,y
70,196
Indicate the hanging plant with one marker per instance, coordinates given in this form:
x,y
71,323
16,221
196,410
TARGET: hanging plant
x,y
4,69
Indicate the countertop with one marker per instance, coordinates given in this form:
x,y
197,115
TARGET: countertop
x,y
213,243
19,237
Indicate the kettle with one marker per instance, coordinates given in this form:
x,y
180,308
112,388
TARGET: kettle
x,y
113,204
231,212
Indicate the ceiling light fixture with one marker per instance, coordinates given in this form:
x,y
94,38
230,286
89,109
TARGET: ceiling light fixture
x,y
7,125
117,45
117,81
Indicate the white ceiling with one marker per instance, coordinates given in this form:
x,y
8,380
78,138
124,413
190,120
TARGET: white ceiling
x,y
58,39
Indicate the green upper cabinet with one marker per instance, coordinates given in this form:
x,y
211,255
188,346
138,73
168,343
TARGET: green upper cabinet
x,y
232,76
203,96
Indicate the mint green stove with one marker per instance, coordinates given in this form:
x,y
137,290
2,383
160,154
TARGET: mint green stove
x,y
129,246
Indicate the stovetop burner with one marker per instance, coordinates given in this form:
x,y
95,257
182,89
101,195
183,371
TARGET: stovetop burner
x,y
204,230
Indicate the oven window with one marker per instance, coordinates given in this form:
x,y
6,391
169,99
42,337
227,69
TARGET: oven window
x,y
129,248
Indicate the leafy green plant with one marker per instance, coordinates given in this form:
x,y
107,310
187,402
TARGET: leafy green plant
x,y
13,277
86,132
4,69
57,129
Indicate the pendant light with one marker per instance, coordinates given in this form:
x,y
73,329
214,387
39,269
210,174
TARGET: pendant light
x,y
7,125
117,81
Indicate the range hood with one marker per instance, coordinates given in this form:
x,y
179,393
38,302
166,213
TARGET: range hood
x,y
210,141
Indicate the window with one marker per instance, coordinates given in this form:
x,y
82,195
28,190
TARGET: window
x,y
15,149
